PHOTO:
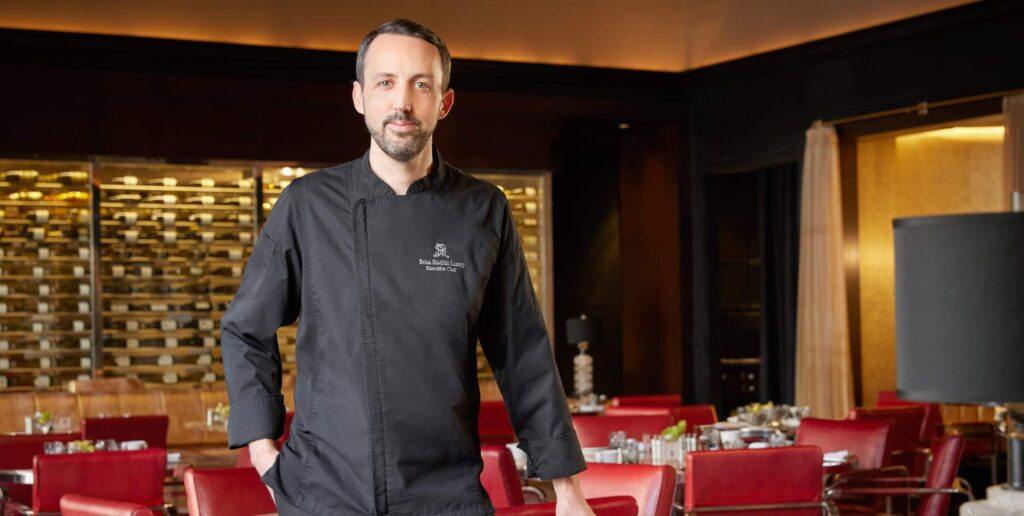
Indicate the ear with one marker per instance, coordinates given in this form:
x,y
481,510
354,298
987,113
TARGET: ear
x,y
357,97
447,101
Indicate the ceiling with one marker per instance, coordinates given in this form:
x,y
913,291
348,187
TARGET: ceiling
x,y
659,35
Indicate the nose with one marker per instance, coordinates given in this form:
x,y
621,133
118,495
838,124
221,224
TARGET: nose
x,y
402,100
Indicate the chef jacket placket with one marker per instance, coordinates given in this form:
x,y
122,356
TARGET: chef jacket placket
x,y
370,361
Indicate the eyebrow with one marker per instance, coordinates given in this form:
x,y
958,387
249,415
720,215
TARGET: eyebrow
x,y
389,74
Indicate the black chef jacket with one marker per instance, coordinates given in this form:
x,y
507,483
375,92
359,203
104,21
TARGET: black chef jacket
x,y
391,294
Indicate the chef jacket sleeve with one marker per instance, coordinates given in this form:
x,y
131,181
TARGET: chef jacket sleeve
x,y
267,298
516,343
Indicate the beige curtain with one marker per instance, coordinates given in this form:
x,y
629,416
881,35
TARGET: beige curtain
x,y
824,379
1013,144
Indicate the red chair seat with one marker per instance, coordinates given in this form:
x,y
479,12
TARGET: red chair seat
x,y
653,487
607,506
78,505
227,492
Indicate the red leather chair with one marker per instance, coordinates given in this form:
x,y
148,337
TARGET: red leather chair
x,y
867,440
653,487
934,490
16,452
78,505
127,476
608,506
494,424
244,461
648,400
227,492
931,427
905,436
694,415
594,430
152,429
782,481
499,476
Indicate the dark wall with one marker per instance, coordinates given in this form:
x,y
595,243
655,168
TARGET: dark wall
x,y
751,114
78,95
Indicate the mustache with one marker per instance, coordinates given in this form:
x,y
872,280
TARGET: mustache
x,y
400,117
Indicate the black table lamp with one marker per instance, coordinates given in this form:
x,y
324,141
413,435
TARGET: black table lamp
x,y
960,315
580,332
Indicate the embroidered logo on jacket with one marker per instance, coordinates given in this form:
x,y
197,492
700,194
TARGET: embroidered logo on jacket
x,y
446,264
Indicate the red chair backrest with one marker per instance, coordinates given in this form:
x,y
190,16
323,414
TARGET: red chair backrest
x,y
494,424
16,452
866,439
945,463
499,476
653,487
694,415
648,400
78,505
594,430
152,429
931,428
906,424
607,506
750,477
126,476
227,492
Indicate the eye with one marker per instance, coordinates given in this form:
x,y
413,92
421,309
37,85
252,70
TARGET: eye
x,y
385,83
423,85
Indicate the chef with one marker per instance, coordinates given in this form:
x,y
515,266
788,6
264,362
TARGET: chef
x,y
394,265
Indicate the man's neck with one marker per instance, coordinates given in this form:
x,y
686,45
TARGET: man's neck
x,y
397,174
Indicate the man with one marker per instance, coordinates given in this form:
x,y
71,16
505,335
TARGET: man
x,y
399,263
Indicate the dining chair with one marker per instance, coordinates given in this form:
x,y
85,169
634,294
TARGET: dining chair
x,y
931,427
648,400
499,476
78,505
935,489
653,487
594,430
779,481
149,428
606,506
127,476
867,440
694,415
493,423
17,452
227,492
905,448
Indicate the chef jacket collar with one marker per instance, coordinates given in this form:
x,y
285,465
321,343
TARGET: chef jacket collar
x,y
377,187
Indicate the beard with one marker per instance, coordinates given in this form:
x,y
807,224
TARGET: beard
x,y
407,145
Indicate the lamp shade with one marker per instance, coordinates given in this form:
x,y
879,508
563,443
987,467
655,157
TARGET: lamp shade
x,y
580,329
960,307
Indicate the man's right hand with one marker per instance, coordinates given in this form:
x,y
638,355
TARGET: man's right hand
x,y
262,454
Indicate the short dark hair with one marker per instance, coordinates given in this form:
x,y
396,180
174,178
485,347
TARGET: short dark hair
x,y
407,27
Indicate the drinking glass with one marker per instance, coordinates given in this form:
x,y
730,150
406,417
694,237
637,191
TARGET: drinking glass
x,y
53,447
